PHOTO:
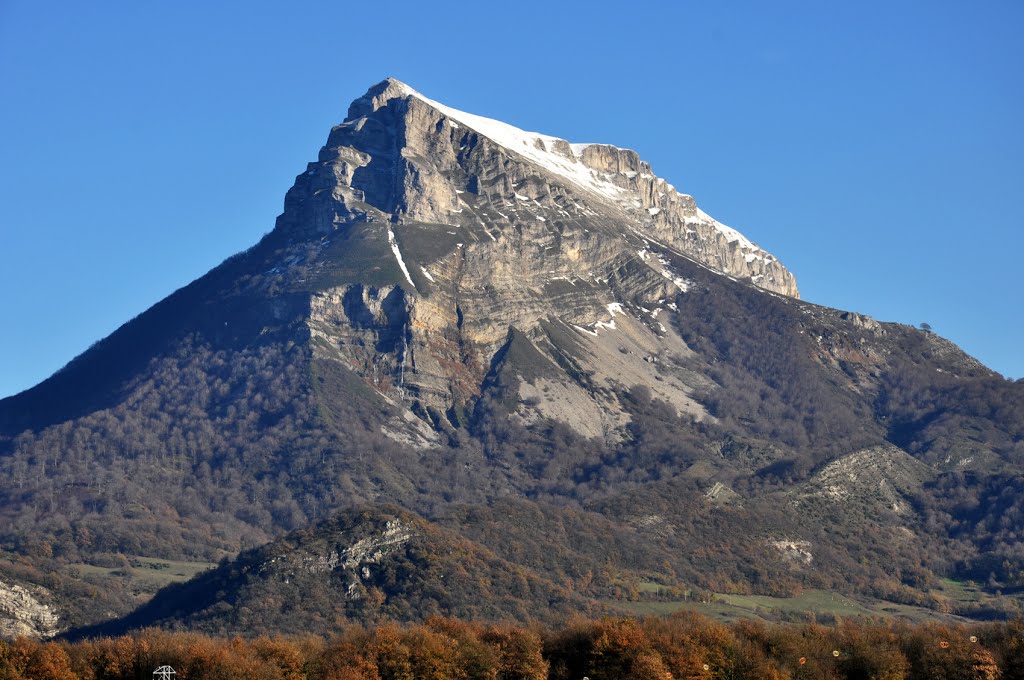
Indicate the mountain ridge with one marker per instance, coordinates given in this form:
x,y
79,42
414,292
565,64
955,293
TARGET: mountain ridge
x,y
389,557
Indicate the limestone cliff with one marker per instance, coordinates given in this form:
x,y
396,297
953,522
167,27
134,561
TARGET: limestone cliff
x,y
459,229
22,614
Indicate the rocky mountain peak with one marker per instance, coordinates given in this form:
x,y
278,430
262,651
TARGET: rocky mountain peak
x,y
456,240
402,157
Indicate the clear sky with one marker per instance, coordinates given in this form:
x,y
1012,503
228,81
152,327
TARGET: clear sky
x,y
876,148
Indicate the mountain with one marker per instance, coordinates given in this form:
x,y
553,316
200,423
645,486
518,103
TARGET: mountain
x,y
501,332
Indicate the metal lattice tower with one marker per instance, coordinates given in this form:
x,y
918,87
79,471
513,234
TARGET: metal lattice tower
x,y
164,673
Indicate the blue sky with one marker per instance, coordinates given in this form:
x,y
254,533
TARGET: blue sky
x,y
875,147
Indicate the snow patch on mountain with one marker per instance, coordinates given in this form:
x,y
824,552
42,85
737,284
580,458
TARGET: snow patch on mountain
x,y
564,159
682,283
551,153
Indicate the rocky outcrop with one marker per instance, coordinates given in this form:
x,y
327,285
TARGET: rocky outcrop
x,y
880,477
349,562
22,614
794,551
675,219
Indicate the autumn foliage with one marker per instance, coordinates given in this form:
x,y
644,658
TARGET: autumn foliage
x,y
683,646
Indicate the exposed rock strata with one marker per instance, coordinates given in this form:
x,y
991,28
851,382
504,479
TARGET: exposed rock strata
x,y
23,615
477,228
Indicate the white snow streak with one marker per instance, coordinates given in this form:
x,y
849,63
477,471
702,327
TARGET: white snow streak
x,y
398,256
588,332
731,235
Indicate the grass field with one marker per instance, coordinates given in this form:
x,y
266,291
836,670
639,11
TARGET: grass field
x,y
146,574
714,610
821,603
818,601
961,591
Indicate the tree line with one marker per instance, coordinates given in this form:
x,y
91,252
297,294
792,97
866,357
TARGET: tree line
x,y
684,645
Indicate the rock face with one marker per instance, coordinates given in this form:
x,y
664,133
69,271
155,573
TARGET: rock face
x,y
473,228
23,615
882,478
403,158
350,562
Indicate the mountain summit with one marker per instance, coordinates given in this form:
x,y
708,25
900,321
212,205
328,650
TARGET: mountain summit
x,y
406,158
477,229
571,376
